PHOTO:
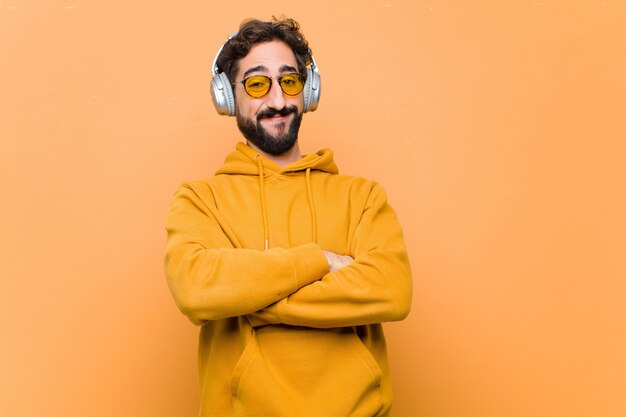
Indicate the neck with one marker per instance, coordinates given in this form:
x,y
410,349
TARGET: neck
x,y
282,160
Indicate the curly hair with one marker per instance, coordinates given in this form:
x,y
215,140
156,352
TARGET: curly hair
x,y
253,32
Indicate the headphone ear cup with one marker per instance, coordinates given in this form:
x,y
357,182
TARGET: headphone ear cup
x,y
311,91
222,94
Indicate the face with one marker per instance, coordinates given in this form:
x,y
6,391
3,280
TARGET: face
x,y
270,122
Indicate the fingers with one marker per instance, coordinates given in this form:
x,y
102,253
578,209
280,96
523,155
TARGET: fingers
x,y
336,261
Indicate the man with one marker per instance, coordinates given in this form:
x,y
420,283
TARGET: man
x,y
288,266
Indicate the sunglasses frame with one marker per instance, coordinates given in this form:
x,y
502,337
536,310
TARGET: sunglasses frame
x,y
279,79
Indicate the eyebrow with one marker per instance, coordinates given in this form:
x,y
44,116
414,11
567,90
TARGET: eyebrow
x,y
287,68
255,69
283,68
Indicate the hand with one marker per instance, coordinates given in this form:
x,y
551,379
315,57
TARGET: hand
x,y
336,261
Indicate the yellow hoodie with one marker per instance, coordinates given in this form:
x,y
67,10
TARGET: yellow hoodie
x,y
281,336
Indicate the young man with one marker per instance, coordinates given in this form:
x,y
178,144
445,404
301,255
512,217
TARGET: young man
x,y
288,266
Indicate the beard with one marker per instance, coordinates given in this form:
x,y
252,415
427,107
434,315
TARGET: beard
x,y
272,145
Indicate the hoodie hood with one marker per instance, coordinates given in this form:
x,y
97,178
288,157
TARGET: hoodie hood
x,y
247,161
244,161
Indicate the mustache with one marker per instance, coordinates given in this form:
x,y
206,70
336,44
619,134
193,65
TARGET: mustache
x,y
273,112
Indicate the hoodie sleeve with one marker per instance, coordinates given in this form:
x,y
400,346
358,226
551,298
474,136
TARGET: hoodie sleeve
x,y
211,278
375,288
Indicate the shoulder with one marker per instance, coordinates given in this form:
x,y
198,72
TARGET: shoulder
x,y
195,190
207,184
195,185
352,184
356,192
219,186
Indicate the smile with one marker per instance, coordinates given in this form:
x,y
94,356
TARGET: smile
x,y
276,118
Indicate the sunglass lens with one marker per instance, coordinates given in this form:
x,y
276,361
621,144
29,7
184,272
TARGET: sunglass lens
x,y
257,86
291,84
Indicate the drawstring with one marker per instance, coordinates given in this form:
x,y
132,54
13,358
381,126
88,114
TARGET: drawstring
x,y
309,194
266,233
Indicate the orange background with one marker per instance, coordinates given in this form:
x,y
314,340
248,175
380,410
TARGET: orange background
x,y
497,128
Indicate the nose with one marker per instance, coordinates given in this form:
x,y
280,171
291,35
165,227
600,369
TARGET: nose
x,y
276,97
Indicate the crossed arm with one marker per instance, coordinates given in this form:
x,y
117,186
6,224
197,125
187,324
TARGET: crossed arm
x,y
303,286
336,261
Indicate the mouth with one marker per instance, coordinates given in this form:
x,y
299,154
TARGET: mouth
x,y
277,118
273,116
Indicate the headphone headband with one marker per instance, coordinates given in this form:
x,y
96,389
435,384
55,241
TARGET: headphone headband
x,y
219,52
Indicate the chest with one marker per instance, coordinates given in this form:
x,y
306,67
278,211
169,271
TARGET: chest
x,y
293,212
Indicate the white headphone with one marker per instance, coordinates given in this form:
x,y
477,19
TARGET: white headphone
x,y
224,99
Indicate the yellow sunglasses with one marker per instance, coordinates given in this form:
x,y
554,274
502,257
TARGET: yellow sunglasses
x,y
259,85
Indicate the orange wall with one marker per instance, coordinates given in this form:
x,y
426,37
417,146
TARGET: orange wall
x,y
498,129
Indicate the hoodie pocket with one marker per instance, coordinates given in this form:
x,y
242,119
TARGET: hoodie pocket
x,y
248,354
290,371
